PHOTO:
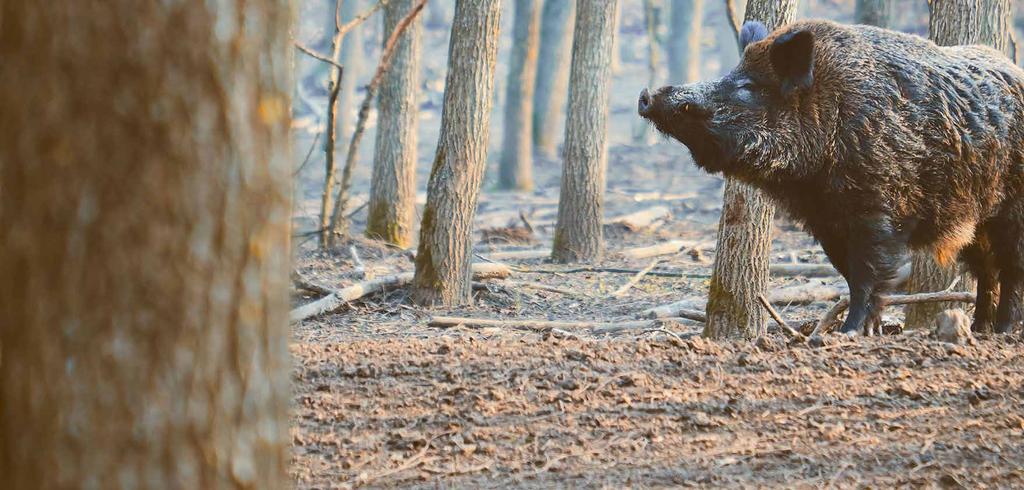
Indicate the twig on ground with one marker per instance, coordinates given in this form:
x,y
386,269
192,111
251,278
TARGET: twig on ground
x,y
360,268
339,298
664,248
548,325
778,318
387,54
832,316
635,279
302,283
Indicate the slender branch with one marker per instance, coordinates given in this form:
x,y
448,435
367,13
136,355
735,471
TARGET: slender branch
x,y
316,55
730,12
364,111
830,318
312,146
778,318
343,29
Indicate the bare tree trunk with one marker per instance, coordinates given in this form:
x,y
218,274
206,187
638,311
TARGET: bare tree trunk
x,y
393,185
740,272
954,22
616,63
341,91
443,259
438,14
552,73
684,41
352,56
515,169
143,311
874,12
581,201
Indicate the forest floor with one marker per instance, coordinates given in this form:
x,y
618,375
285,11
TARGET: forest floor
x,y
384,400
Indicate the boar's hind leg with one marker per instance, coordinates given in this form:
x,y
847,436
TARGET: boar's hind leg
x,y
1008,246
981,261
875,253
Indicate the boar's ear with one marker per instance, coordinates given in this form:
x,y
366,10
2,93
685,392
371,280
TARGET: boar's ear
x,y
752,32
792,57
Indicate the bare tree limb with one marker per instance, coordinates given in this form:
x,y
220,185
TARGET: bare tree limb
x,y
832,317
778,319
730,12
318,56
337,299
364,111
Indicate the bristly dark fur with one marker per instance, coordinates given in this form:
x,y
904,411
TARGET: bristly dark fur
x,y
879,143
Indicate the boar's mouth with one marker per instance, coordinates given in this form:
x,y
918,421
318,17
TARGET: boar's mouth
x,y
680,114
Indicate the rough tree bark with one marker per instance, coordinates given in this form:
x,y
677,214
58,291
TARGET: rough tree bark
x,y
581,200
874,12
740,271
684,41
393,185
443,259
143,311
953,22
616,63
552,73
515,169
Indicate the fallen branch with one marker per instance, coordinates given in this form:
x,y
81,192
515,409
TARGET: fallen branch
x,y
665,248
337,299
547,325
778,319
635,279
337,217
360,268
643,218
301,282
832,316
804,294
805,270
520,255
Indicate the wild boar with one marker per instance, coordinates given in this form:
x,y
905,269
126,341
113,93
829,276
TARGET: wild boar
x,y
878,143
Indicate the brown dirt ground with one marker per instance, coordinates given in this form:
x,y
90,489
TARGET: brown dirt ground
x,y
382,400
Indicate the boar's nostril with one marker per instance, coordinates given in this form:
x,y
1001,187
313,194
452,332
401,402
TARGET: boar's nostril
x,y
644,103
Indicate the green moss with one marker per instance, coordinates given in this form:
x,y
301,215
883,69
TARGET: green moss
x,y
379,226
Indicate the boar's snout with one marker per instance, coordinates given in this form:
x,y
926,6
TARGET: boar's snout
x,y
669,103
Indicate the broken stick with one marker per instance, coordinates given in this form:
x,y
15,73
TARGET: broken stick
x,y
832,317
547,325
778,318
339,298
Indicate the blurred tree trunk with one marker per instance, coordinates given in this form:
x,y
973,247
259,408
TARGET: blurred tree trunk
x,y
393,185
515,169
143,311
443,259
684,41
616,63
339,104
552,73
437,14
740,272
954,22
581,200
874,12
726,47
642,133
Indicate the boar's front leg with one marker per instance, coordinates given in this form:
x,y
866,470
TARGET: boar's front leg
x,y
876,249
